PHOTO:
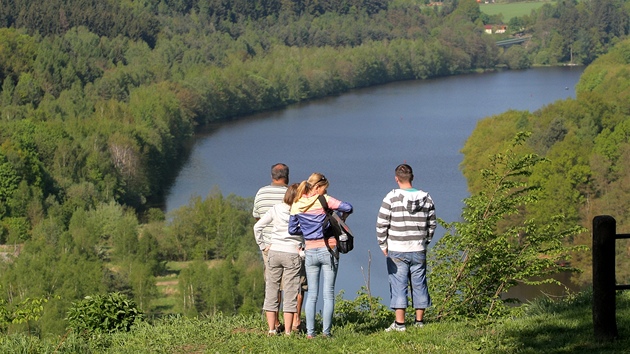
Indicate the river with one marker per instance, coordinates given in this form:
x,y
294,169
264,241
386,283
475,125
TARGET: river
x,y
357,139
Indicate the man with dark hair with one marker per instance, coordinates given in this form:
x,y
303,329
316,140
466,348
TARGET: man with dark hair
x,y
404,227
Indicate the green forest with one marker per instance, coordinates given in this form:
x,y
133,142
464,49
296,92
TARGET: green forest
x,y
586,144
98,100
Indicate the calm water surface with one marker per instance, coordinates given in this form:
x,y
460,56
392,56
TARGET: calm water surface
x,y
357,139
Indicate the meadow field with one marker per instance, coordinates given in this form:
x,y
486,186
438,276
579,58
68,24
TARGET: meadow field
x,y
509,10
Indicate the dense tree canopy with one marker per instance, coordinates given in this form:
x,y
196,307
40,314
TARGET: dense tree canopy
x,y
586,143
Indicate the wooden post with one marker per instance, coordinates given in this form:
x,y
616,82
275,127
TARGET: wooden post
x,y
604,302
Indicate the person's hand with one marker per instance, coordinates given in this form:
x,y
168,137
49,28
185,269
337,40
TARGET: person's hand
x,y
385,252
267,248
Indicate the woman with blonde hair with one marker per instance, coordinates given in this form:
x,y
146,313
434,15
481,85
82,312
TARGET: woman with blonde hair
x,y
308,218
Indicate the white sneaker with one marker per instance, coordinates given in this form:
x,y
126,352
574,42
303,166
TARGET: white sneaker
x,y
396,327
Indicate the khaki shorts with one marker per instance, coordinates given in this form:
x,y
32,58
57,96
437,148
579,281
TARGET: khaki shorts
x,y
302,273
282,265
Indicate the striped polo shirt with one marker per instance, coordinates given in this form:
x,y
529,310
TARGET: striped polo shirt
x,y
267,197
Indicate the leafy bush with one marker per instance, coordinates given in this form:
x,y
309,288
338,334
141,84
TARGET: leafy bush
x,y
27,310
103,314
363,314
479,259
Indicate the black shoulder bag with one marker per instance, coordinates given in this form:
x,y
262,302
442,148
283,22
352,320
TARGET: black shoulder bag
x,y
338,229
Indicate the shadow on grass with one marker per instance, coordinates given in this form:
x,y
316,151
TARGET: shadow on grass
x,y
546,338
167,272
161,310
570,330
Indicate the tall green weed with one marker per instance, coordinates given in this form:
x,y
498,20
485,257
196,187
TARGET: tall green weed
x,y
364,314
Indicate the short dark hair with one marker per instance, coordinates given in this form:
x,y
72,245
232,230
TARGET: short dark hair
x,y
404,173
280,171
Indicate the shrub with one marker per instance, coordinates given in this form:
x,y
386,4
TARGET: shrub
x,y
363,314
103,314
26,311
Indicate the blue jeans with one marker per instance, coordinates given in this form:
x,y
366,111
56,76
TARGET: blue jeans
x,y
405,267
319,260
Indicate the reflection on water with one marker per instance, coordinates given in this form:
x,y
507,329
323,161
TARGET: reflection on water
x,y
524,292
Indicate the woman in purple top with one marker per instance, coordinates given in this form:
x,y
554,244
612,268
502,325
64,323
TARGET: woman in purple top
x,y
308,218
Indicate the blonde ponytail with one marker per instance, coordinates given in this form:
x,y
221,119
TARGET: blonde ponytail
x,y
305,187
301,190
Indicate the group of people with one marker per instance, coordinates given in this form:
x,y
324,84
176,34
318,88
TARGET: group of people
x,y
291,232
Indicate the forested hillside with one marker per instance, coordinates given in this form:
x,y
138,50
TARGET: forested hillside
x,y
98,99
586,142
569,31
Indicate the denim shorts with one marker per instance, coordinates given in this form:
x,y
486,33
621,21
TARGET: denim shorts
x,y
404,269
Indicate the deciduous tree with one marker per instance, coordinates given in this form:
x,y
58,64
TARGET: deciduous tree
x,y
477,261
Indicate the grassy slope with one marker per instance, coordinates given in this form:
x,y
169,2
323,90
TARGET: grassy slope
x,y
509,10
564,328
168,288
545,328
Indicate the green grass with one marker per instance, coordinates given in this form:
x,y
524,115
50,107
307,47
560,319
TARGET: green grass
x,y
544,327
509,10
167,284
167,302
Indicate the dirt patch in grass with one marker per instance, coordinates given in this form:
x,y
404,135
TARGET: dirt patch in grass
x,y
192,349
245,330
168,283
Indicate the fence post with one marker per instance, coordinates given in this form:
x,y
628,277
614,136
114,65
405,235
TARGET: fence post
x,y
604,302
